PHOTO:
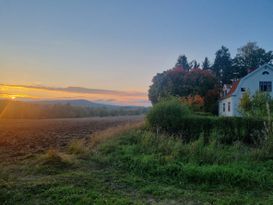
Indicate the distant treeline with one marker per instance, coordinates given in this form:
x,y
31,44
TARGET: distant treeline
x,y
29,110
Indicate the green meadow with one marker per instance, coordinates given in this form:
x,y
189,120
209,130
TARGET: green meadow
x,y
137,166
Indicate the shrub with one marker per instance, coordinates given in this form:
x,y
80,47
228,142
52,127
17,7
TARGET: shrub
x,y
255,105
228,129
167,115
173,118
266,151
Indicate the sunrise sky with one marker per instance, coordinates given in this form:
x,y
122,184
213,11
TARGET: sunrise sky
x,y
109,50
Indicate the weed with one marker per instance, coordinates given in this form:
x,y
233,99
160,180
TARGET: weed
x,y
55,159
78,147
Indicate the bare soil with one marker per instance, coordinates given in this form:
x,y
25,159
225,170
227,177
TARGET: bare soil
x,y
22,138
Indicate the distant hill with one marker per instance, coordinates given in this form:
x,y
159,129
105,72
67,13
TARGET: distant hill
x,y
84,103
64,109
80,103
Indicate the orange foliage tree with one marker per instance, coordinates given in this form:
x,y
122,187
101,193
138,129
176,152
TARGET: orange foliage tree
x,y
196,102
195,86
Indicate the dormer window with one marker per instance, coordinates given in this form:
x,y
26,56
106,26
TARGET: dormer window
x,y
265,86
265,73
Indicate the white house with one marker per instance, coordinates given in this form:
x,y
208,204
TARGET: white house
x,y
258,80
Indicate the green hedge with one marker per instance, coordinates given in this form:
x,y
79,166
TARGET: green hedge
x,y
227,129
167,114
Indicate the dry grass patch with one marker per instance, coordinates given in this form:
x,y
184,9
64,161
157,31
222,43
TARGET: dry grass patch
x,y
55,158
109,133
78,147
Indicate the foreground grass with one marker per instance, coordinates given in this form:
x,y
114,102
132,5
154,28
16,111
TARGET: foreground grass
x,y
138,167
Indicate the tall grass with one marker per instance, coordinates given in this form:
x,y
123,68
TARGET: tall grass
x,y
165,157
266,148
102,136
83,147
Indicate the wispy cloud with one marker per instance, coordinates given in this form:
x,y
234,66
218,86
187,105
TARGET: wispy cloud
x,y
25,92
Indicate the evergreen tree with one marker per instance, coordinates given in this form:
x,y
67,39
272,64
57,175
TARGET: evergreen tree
x,y
182,61
222,66
206,64
194,64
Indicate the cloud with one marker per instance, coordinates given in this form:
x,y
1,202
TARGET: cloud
x,y
81,90
98,95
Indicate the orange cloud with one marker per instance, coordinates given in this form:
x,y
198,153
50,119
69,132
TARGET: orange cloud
x,y
26,92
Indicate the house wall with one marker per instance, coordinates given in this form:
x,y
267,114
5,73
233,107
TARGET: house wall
x,y
251,83
226,111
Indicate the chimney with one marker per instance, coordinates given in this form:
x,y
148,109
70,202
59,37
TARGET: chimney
x,y
249,70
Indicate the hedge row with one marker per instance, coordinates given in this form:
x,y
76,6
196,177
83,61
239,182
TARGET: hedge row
x,y
172,117
227,129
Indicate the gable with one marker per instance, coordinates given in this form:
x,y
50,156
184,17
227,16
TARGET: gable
x,y
264,68
251,81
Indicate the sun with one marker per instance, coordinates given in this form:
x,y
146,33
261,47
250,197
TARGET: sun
x,y
13,97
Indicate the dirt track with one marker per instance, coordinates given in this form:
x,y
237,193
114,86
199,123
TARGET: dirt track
x,y
19,138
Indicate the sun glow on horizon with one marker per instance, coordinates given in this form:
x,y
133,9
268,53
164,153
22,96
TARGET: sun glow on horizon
x,y
20,92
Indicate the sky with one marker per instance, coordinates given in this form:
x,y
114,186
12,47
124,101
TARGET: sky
x,y
116,45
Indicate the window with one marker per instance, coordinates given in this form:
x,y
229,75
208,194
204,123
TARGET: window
x,y
265,86
228,108
265,73
224,107
243,89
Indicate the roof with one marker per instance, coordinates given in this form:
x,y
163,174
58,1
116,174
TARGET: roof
x,y
232,89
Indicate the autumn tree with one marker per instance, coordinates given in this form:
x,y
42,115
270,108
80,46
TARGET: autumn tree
x,y
181,83
196,102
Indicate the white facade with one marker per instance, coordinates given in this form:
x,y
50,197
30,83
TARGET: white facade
x,y
258,80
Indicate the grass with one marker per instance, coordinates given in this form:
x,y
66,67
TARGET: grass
x,y
213,169
113,132
131,165
78,147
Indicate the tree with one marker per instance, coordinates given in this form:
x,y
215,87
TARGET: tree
x,y
180,83
167,114
194,64
256,105
196,102
250,57
182,62
206,64
245,104
161,87
222,66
